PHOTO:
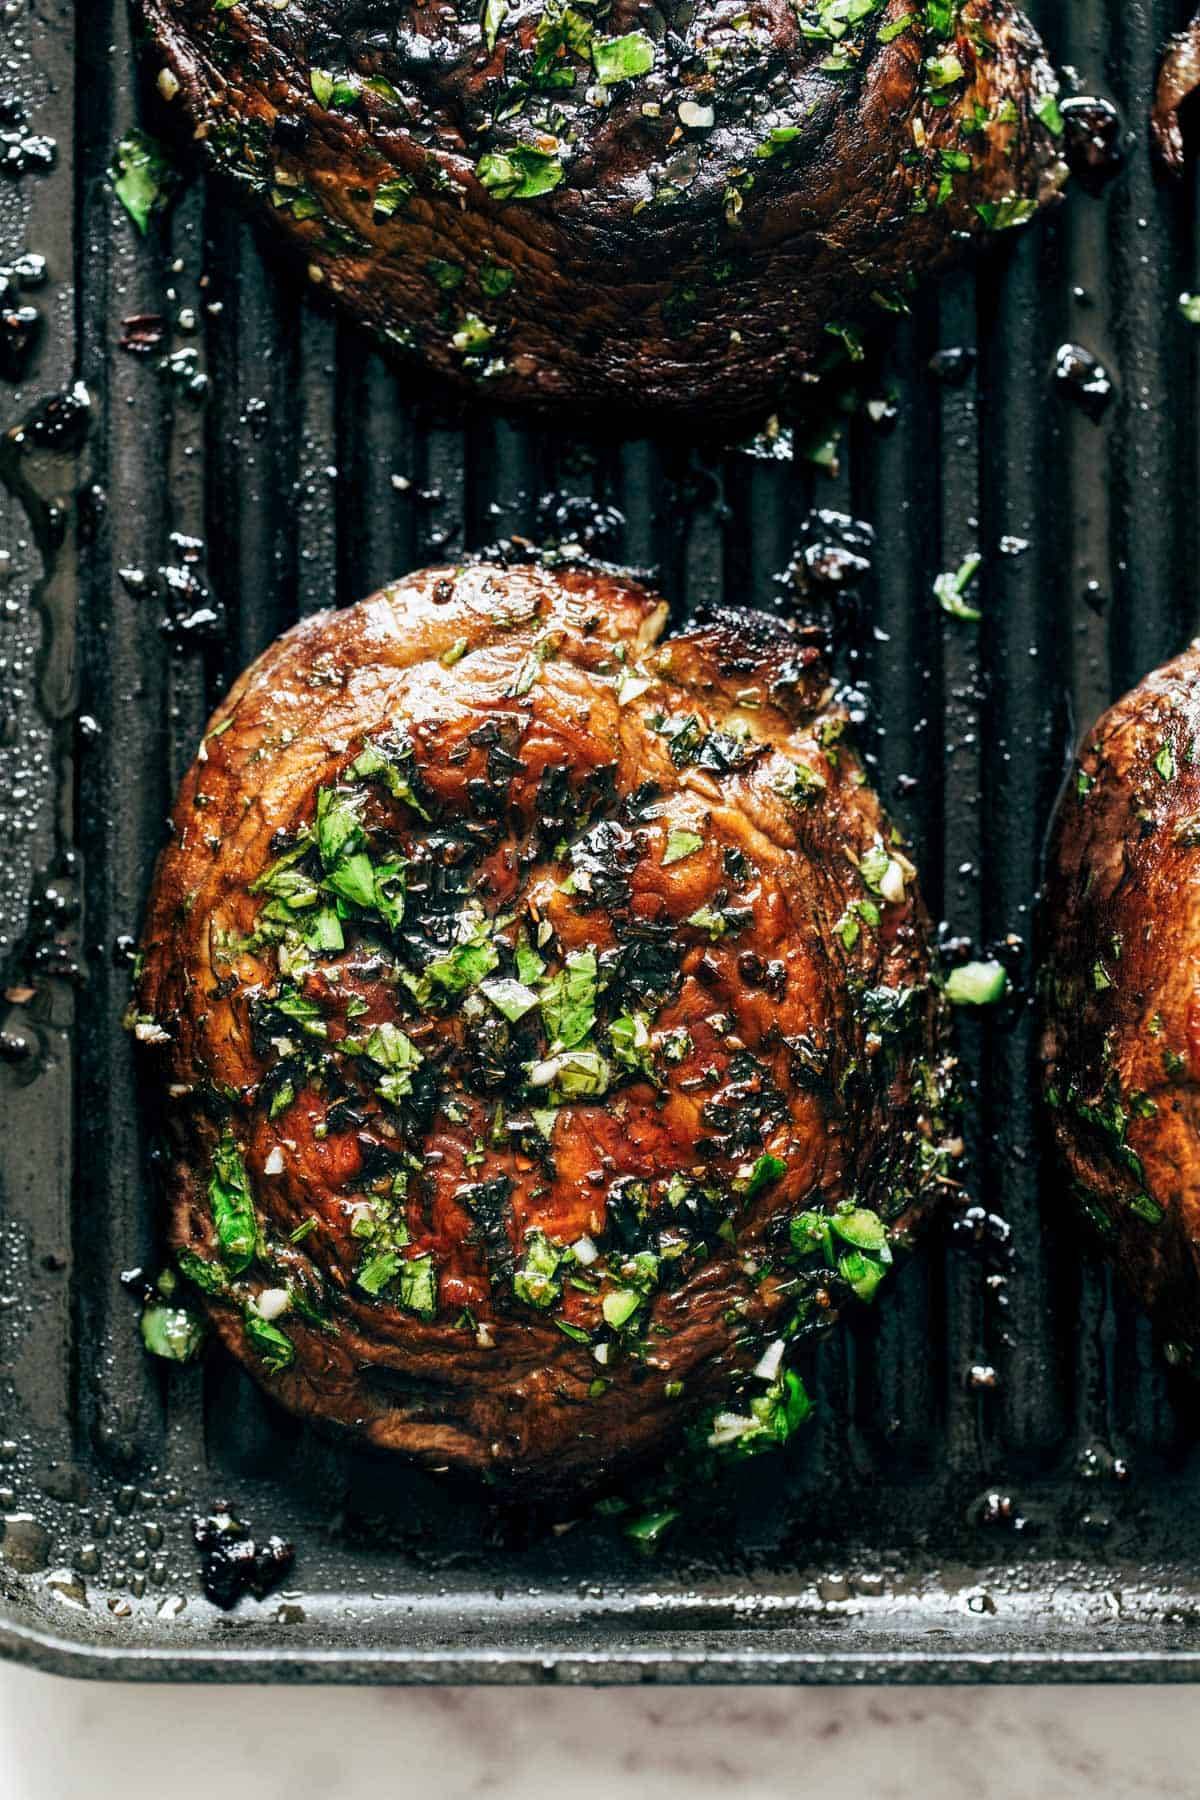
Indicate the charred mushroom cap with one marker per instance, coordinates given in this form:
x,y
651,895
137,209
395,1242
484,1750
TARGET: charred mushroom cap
x,y
1121,989
516,978
680,212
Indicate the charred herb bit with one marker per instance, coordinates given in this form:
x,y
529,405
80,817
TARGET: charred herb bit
x,y
489,1204
232,1563
452,972
628,1221
649,961
232,1205
391,760
889,1011
676,1045
600,863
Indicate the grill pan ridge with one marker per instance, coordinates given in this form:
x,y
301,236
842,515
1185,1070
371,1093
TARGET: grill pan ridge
x,y
930,1526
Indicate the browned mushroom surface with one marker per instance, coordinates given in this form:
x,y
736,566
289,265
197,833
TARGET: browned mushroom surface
x,y
543,1015
1121,1037
668,211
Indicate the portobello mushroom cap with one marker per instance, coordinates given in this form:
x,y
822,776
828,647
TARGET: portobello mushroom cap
x,y
673,212
542,1011
1121,990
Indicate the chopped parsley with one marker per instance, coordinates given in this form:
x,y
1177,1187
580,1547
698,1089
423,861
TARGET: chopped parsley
x,y
232,1206
622,58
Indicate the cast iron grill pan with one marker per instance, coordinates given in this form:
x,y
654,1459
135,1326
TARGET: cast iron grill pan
x,y
1038,1521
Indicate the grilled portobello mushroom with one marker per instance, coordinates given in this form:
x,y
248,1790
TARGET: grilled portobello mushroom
x,y
542,1010
611,209
1121,994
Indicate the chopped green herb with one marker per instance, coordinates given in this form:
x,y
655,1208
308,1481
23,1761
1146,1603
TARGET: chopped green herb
x,y
860,1227
171,1332
495,280
519,173
391,761
754,1177
571,1075
418,1286
377,1270
977,984
681,843
950,587
1003,215
396,1053
622,58
772,1419
143,177
232,1206
619,1306
494,14
1050,113
512,998
274,1346
537,1282
944,70
568,1001
648,1530
391,195
340,90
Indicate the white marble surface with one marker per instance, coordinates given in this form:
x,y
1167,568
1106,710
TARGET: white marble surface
x,y
78,1741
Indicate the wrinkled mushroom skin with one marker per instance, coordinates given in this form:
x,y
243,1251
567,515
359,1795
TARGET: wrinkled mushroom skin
x,y
675,270
1178,79
1121,1039
688,809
